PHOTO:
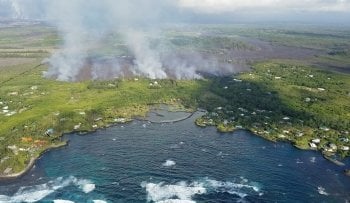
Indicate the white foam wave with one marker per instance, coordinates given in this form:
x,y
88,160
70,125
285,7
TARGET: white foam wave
x,y
85,185
36,193
230,187
322,191
62,201
313,159
165,193
183,192
169,163
98,201
176,201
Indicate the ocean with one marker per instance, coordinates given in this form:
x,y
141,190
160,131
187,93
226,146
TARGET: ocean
x,y
177,162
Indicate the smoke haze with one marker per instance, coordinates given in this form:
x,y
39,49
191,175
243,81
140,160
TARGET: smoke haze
x,y
84,24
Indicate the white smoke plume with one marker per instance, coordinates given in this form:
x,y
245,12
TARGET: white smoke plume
x,y
11,7
147,61
85,24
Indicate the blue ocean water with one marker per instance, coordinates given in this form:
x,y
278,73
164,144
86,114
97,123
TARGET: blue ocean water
x,y
178,162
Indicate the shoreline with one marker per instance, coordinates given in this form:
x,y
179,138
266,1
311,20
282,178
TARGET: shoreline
x,y
31,163
33,160
191,114
328,158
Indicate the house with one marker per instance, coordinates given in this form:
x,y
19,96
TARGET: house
x,y
324,128
98,119
344,139
119,120
13,93
34,87
49,132
345,148
76,127
333,146
312,145
300,134
316,141
282,136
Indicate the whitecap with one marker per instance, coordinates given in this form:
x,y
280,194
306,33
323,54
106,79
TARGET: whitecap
x,y
174,146
176,201
244,179
322,190
98,201
298,161
169,163
313,159
62,201
183,192
88,188
230,187
85,185
166,193
38,192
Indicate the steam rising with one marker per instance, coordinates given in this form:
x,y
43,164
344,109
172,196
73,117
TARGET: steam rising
x,y
147,61
84,26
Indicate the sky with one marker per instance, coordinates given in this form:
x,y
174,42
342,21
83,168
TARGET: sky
x,y
217,6
318,11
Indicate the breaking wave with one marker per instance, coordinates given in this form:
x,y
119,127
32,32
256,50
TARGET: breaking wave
x,y
183,192
99,201
85,185
169,163
62,201
38,192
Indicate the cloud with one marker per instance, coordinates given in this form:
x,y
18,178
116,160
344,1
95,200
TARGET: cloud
x,y
217,6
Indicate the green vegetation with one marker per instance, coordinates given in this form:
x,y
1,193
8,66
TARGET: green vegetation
x,y
281,101
36,111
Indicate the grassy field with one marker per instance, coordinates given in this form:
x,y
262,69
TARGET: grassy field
x,y
277,99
